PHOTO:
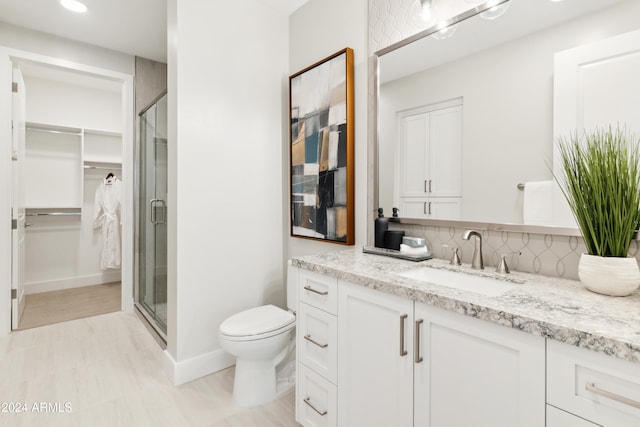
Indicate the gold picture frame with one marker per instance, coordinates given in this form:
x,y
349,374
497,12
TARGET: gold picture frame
x,y
321,123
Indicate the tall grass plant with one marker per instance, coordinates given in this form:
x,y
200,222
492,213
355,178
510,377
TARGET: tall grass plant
x,y
601,182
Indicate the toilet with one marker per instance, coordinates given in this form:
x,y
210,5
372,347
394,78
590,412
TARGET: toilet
x,y
261,338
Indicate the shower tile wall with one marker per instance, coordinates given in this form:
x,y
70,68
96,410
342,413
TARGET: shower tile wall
x,y
551,255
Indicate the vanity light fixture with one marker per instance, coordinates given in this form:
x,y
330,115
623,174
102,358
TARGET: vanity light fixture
x,y
444,33
74,6
425,10
496,8
495,11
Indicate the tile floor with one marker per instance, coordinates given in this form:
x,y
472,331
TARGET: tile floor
x,y
107,371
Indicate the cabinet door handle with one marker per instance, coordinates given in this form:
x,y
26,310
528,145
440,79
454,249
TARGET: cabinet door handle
x,y
311,340
613,396
403,318
429,186
306,400
429,208
417,358
310,289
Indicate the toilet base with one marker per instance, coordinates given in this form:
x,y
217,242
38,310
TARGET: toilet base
x,y
254,383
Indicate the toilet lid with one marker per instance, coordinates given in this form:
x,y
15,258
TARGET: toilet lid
x,y
257,321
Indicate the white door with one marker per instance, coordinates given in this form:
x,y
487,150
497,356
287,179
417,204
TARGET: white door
x,y
375,359
445,153
469,372
595,85
17,199
429,152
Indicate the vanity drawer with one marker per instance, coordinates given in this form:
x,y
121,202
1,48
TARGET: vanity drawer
x,y
318,290
599,388
316,399
559,418
317,341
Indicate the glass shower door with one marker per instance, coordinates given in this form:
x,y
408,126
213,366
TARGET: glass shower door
x,y
152,228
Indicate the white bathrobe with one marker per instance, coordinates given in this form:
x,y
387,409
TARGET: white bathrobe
x,y
107,214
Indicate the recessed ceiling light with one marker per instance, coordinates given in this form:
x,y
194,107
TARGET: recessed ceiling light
x,y
74,6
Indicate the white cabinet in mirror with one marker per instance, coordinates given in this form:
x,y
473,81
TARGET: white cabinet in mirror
x,y
506,75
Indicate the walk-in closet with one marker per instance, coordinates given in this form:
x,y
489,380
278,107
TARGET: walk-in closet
x,y
71,172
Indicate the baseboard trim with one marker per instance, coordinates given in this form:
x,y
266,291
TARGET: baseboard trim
x,y
197,367
72,282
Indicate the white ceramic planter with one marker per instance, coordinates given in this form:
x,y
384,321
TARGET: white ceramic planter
x,y
609,275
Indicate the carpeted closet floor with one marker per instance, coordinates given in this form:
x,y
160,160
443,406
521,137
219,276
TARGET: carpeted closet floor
x,y
69,304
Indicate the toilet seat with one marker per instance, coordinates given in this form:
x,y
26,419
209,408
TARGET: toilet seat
x,y
257,323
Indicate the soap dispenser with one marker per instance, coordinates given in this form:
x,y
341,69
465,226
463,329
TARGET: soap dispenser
x,y
380,227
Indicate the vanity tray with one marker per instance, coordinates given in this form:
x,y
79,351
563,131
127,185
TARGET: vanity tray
x,y
396,254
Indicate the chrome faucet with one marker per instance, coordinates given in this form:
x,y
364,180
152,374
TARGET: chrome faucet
x,y
476,261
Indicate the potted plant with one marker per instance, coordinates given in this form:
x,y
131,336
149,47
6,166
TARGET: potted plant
x,y
601,181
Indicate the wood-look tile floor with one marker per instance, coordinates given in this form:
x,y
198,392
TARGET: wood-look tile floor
x,y
47,308
108,371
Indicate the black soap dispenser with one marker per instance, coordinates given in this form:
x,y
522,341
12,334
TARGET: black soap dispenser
x,y
381,226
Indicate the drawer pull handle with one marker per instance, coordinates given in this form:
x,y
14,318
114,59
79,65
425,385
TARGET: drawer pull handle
x,y
322,413
417,357
403,317
604,393
308,338
310,289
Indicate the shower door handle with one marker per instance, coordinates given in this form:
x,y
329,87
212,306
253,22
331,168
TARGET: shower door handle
x,y
153,203
152,209
154,216
163,206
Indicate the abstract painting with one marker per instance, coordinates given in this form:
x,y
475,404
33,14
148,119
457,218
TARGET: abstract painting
x,y
322,150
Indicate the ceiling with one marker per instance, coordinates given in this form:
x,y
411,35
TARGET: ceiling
x,y
135,27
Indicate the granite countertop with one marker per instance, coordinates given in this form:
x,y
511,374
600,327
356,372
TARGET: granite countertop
x,y
559,309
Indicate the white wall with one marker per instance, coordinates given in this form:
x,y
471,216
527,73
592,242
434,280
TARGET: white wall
x,y
58,47
317,30
227,65
64,104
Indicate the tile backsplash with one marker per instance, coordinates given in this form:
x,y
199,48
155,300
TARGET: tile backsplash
x,y
546,254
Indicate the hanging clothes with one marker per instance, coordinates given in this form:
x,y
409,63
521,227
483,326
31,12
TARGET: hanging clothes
x,y
107,216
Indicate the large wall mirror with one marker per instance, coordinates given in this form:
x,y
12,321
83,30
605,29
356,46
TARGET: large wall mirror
x,y
467,118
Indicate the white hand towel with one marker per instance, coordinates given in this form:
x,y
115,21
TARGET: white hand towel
x,y
406,249
536,206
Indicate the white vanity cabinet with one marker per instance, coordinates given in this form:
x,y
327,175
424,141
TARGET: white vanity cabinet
x,y
375,358
472,372
408,364
559,418
316,347
595,387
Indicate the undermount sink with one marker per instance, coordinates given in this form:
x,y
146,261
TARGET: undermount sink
x,y
459,280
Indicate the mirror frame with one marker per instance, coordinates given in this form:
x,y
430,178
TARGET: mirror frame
x,y
489,226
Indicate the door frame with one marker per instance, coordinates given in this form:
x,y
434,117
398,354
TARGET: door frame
x,y
7,57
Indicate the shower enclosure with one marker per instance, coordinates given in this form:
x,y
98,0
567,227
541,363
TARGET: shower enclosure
x,y
151,264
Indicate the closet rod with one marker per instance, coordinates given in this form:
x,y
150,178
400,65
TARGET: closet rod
x,y
102,167
53,214
64,132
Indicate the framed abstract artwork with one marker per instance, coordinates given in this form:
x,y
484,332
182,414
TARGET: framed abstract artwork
x,y
321,122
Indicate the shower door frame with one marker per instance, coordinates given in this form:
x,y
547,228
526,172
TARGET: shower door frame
x,y
137,223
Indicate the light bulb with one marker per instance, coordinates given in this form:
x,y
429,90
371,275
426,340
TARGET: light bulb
x,y
74,6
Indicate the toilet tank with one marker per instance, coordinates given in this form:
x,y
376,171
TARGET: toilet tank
x,y
292,287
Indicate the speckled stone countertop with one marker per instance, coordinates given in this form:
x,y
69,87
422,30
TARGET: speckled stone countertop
x,y
558,309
